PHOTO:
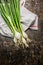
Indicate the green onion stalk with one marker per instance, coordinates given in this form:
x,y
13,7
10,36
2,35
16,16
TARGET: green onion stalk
x,y
10,11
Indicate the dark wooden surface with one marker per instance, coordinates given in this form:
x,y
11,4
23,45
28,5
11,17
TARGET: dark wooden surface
x,y
11,55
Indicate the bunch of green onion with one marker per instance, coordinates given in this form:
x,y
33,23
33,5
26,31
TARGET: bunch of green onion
x,y
10,11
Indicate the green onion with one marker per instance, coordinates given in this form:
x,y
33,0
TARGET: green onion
x,y
10,11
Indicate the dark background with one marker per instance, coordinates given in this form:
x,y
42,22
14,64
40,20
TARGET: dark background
x,y
11,55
